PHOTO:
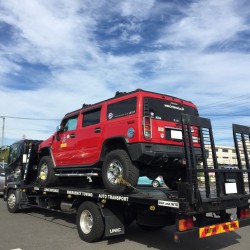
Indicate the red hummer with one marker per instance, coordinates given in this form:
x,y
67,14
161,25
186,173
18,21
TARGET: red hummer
x,y
133,134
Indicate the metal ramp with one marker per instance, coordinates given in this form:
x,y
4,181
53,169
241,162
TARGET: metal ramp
x,y
209,182
241,136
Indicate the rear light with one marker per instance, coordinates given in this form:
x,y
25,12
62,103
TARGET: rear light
x,y
147,127
244,213
185,224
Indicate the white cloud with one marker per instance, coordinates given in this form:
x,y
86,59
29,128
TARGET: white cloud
x,y
205,23
139,8
62,36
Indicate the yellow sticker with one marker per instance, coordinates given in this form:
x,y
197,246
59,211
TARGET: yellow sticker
x,y
218,228
63,145
229,226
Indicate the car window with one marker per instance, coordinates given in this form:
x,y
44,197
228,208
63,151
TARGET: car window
x,y
165,110
91,117
70,124
121,108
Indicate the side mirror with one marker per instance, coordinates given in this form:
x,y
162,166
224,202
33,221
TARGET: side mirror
x,y
59,128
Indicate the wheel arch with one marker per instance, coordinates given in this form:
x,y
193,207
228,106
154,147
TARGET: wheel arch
x,y
46,151
112,144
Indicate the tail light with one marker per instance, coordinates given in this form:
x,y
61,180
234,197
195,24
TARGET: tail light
x,y
185,224
147,127
244,213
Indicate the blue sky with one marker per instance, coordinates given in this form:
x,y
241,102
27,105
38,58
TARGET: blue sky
x,y
57,54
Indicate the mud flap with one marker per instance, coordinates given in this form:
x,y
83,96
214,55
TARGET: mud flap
x,y
21,199
114,223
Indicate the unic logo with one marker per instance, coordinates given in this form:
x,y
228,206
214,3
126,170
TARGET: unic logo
x,y
115,230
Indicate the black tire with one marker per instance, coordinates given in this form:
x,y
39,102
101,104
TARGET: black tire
x,y
120,161
12,202
89,220
46,179
171,183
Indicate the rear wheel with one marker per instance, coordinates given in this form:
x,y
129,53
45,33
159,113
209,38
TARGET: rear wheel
x,y
46,174
90,224
118,164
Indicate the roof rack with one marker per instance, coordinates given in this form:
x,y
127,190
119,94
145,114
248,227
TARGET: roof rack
x,y
86,105
118,93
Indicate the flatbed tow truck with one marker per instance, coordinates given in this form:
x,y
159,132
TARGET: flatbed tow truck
x,y
198,209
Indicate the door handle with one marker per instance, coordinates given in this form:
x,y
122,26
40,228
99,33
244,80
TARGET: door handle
x,y
72,135
97,130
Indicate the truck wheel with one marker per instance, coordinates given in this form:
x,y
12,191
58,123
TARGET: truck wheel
x,y
12,203
46,174
117,163
90,225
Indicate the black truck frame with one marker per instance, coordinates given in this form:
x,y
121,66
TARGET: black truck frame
x,y
199,207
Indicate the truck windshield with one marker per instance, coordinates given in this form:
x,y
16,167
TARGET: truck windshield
x,y
166,110
13,154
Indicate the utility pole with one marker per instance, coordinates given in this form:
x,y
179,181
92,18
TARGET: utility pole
x,y
3,130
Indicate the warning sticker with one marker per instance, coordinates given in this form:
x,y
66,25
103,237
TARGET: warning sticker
x,y
218,229
229,226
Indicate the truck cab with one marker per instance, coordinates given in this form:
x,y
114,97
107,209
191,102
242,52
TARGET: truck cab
x,y
21,153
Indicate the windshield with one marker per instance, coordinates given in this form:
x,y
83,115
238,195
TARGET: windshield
x,y
13,154
166,110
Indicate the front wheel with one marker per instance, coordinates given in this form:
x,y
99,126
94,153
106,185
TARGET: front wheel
x,y
90,224
118,164
46,174
12,203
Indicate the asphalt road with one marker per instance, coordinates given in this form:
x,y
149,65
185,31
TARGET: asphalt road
x,y
38,229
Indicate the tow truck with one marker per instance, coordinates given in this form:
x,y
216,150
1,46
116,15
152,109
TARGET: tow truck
x,y
197,209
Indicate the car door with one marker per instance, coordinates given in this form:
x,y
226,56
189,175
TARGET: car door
x,y
63,148
89,136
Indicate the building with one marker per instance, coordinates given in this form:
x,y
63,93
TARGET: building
x,y
226,155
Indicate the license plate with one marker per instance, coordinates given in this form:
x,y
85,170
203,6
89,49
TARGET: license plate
x,y
218,229
176,134
231,188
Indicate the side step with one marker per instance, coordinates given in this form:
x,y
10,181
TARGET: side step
x,y
78,175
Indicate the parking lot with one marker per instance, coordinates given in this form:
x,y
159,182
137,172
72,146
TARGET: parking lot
x,y
41,229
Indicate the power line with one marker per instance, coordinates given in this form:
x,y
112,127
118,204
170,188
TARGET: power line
x,y
29,118
226,101
228,115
